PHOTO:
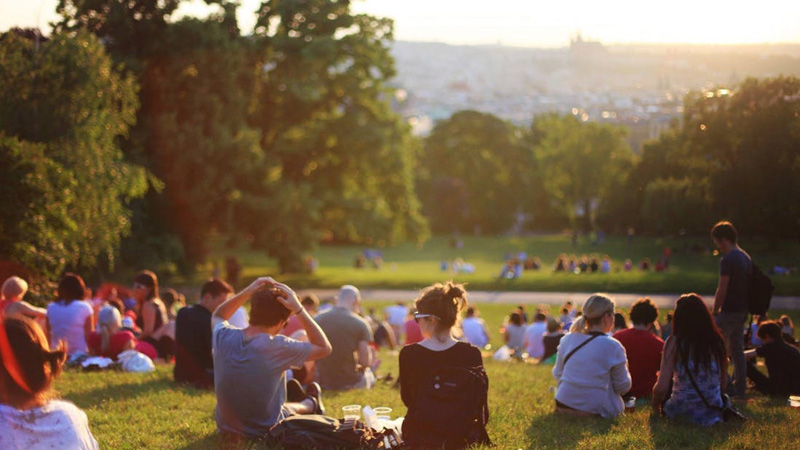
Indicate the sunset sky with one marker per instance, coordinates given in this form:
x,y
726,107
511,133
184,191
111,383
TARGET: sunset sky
x,y
534,23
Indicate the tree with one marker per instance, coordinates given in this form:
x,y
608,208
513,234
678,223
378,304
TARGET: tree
x,y
475,172
64,108
747,141
580,162
332,146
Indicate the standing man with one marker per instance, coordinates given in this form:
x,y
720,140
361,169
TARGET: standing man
x,y
731,299
350,335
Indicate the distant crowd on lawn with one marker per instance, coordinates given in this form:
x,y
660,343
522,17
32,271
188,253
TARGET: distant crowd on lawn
x,y
273,362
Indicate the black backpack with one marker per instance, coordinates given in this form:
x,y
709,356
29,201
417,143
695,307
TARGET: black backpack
x,y
450,410
760,293
320,432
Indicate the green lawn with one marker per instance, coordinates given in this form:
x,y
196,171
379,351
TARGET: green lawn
x,y
134,411
412,267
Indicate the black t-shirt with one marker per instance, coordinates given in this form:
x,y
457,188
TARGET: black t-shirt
x,y
417,361
783,364
738,267
193,361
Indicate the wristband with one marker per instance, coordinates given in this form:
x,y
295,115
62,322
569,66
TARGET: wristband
x,y
299,310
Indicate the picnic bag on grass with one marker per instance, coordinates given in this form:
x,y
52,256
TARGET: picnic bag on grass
x,y
760,293
314,431
450,410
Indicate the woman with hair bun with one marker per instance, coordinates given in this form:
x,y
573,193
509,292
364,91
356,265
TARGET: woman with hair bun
x,y
437,311
591,367
30,417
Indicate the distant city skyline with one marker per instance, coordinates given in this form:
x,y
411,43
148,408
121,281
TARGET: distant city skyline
x,y
530,23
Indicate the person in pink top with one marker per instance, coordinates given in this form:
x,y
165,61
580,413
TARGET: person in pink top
x,y
311,303
412,332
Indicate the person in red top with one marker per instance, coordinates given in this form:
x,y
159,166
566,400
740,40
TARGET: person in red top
x,y
642,347
412,332
110,341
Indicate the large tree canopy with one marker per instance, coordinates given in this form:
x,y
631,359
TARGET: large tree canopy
x,y
475,172
66,183
581,162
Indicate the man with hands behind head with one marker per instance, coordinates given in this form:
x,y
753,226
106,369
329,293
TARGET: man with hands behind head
x,y
250,364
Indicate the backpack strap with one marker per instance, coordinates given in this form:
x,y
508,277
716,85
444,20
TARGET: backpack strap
x,y
696,389
569,355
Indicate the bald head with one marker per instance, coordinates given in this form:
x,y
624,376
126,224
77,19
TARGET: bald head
x,y
14,288
348,297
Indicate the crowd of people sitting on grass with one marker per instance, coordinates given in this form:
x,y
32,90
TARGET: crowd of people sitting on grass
x,y
516,265
274,362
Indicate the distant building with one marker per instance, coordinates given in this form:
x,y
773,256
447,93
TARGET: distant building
x,y
585,50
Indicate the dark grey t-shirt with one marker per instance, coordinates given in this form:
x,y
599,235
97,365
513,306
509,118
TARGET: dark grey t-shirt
x,y
250,378
738,267
344,330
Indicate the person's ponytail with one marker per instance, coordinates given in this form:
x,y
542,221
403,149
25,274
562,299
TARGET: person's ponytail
x,y
443,300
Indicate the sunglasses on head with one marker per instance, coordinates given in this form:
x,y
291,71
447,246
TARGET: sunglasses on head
x,y
418,316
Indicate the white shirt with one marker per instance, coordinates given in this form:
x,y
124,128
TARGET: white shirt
x,y
67,322
58,424
240,319
474,331
397,314
595,377
534,343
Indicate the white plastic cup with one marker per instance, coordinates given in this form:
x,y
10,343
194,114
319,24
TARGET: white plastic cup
x,y
383,413
351,412
794,401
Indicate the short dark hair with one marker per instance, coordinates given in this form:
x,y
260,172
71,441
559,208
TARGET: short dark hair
x,y
539,317
770,328
215,287
644,312
71,287
724,230
515,318
310,300
265,309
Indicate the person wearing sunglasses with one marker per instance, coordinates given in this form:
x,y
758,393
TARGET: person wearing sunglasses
x,y
437,310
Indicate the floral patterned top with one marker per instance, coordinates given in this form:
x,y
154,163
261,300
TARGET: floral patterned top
x,y
686,403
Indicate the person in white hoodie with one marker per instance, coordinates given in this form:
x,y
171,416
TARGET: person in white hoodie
x,y
591,367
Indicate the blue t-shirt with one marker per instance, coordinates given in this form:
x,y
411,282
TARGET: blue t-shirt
x,y
250,378
738,267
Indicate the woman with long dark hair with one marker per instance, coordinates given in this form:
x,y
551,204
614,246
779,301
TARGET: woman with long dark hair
x,y
69,318
695,361
152,313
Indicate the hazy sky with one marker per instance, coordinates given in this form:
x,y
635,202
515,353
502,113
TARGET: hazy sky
x,y
536,23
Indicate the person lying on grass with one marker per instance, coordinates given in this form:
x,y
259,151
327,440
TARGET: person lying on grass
x,y
250,364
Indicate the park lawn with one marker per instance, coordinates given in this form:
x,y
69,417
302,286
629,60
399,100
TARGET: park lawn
x,y
409,266
135,411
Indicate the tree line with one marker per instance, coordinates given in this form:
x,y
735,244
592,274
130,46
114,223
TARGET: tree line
x,y
128,137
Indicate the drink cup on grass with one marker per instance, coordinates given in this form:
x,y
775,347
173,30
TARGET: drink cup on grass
x,y
351,413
